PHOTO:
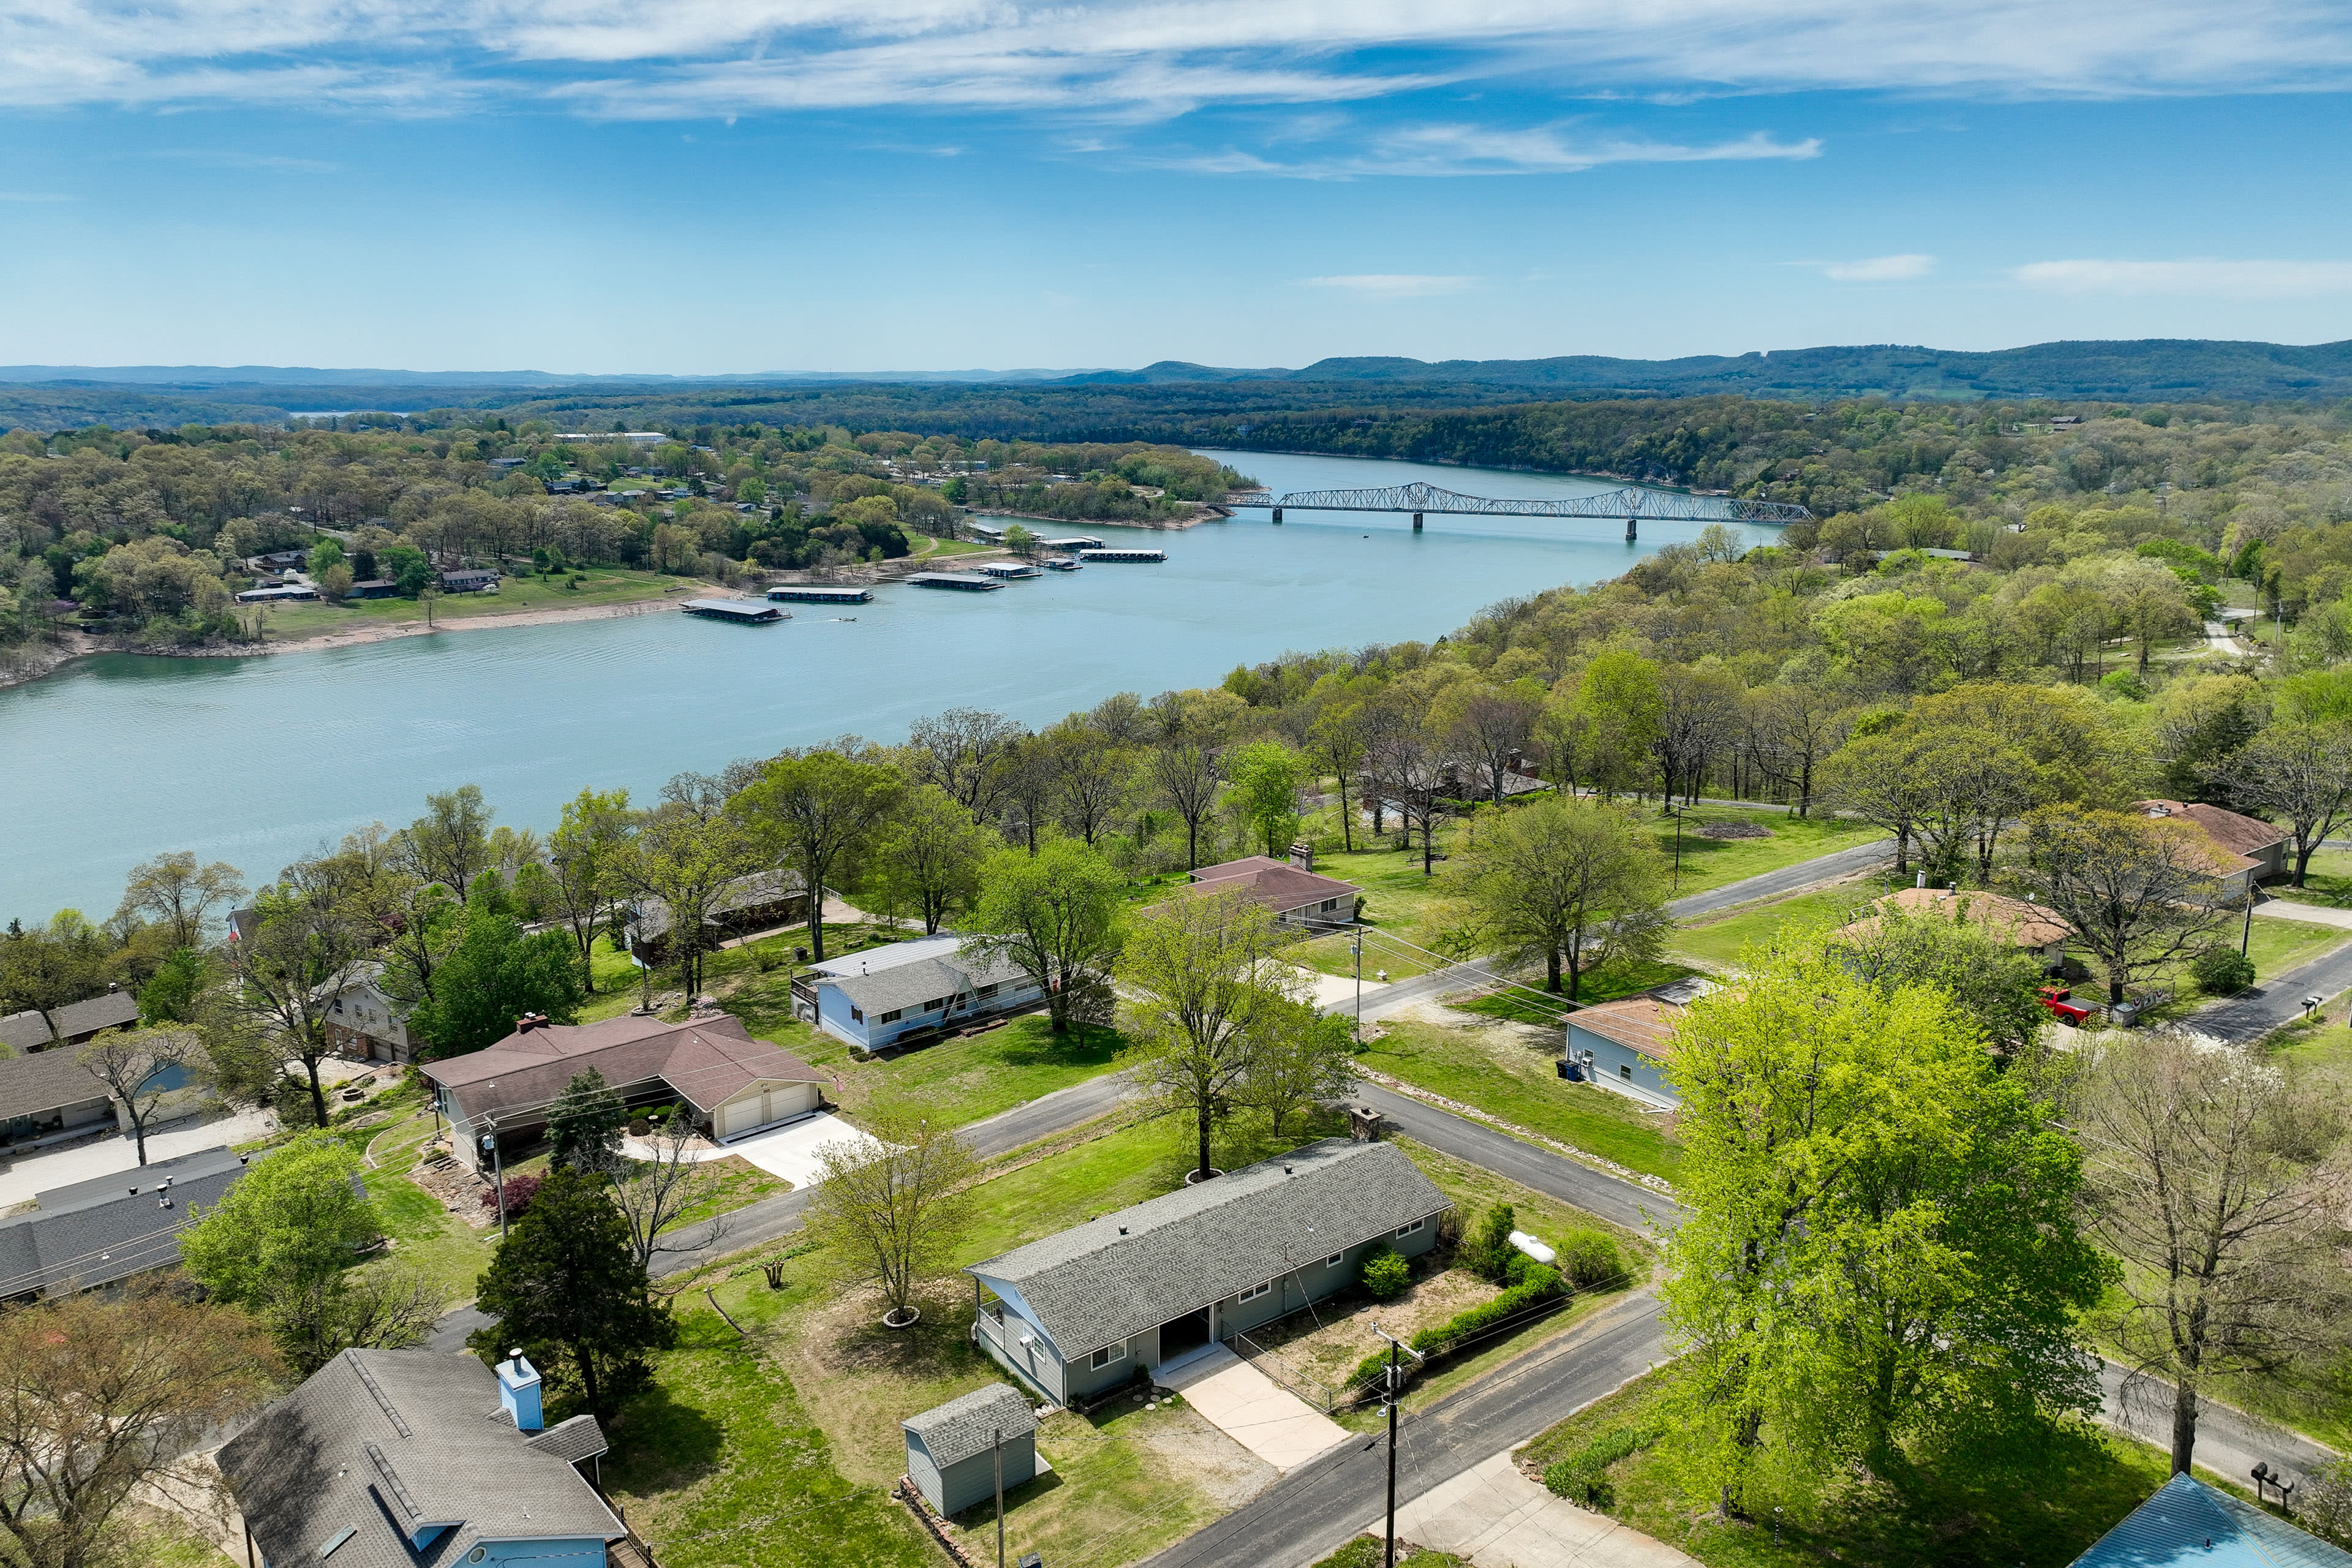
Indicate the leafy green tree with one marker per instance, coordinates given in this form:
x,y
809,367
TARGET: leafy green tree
x,y
1578,880
894,1203
1880,1247
450,844
1210,989
44,968
817,809
1302,1058
1967,955
175,890
493,973
584,859
929,855
568,1289
1266,777
687,852
584,1125
1056,916
2301,775
308,931
172,993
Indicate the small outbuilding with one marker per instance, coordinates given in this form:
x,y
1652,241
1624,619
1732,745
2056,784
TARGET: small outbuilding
x,y
951,1451
2187,1524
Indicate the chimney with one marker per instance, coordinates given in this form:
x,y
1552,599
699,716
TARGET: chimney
x,y
1302,855
519,1392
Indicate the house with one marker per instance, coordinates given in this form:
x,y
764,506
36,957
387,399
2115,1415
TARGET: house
x,y
470,580
93,1233
48,1096
2022,923
1627,1044
910,992
2187,1524
393,1458
363,1022
373,588
1290,892
733,1083
1083,1310
287,594
953,1452
74,1023
2246,849
760,901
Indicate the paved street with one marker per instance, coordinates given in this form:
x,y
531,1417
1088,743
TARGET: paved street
x,y
1787,879
2253,1013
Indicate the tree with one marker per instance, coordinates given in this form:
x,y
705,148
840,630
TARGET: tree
x,y
1967,955
1338,740
1970,789
2141,895
110,1401
1187,757
1266,777
306,937
2300,774
1210,991
450,844
567,1287
1578,880
1879,1244
1791,729
1020,540
892,1204
1410,770
961,750
583,864
1302,1058
493,974
281,1243
685,852
584,1125
139,1068
655,1194
1697,708
172,889
44,968
816,808
1876,778
1056,917
2207,1178
1089,776
1492,727
172,992
1619,690
929,854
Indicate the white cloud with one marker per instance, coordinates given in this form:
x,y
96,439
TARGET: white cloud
x,y
710,58
2205,278
1451,151
1874,268
1394,285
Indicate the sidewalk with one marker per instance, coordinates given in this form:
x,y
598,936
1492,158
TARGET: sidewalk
x,y
1497,1518
2297,909
1245,1404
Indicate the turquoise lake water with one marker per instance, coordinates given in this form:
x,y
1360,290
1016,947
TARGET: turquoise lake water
x,y
255,760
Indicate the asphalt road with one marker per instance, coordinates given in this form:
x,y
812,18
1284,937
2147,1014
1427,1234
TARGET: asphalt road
x,y
2253,1013
1554,1175
1787,880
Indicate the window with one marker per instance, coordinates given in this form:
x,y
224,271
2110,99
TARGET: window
x,y
857,1016
1624,1069
1253,1292
1408,1229
1336,1259
985,992
892,1016
1106,1356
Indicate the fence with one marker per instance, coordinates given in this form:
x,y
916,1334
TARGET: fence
x,y
1282,1374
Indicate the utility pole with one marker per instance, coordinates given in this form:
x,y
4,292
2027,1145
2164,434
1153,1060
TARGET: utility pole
x,y
1392,1395
499,1166
999,1497
1358,946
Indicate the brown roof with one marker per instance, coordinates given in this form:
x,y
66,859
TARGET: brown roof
x,y
44,1081
2025,925
1276,884
2240,836
1641,1024
704,1061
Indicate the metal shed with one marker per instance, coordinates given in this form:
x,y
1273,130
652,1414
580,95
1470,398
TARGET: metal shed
x,y
951,1450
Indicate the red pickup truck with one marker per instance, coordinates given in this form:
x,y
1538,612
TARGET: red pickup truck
x,y
2054,997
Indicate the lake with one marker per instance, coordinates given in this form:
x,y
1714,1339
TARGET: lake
x,y
255,760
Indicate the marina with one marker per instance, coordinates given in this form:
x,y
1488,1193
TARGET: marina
x,y
969,582
809,593
1112,553
1006,571
745,611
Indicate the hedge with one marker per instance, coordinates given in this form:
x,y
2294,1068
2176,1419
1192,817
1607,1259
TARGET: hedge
x,y
1584,1476
1541,1284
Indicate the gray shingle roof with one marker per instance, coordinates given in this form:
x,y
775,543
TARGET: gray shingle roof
x,y
967,1425
113,1010
574,1440
387,1442
44,1081
109,1227
1109,1279
925,980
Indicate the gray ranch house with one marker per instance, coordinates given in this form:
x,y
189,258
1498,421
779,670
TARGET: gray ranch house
x,y
910,992
1079,1312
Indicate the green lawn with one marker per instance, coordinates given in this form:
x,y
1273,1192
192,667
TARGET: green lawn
x,y
2279,945
603,585
1509,1073
1712,862
1718,942
1944,1513
2327,880
1533,1005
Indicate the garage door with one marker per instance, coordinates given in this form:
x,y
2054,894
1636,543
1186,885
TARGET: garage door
x,y
741,1116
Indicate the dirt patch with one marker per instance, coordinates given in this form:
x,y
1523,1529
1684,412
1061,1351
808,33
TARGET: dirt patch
x,y
1732,830
1330,1351
456,1188
1185,1444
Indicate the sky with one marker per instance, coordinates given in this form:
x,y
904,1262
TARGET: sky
x,y
715,186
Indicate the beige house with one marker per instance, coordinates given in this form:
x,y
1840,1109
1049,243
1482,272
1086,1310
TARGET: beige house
x,y
2026,925
363,1022
2246,849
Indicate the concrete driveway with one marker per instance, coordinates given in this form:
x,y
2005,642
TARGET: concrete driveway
x,y
788,1151
1245,1404
1497,1518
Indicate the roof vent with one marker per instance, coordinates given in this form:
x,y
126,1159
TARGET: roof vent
x,y
1286,1170
1122,1230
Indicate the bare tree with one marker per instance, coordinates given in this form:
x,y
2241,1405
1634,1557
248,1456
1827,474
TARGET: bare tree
x,y
1090,776
1696,709
959,751
2141,894
893,1203
173,888
1490,728
2206,1177
2299,774
656,1194
137,1067
1791,729
1409,768
1187,757
685,852
305,939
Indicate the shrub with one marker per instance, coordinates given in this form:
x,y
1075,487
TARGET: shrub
x,y
1541,1284
1488,1252
1590,1259
1386,1273
520,1191
2220,971
1583,1476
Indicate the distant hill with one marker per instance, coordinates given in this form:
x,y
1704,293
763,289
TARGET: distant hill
x,y
1071,402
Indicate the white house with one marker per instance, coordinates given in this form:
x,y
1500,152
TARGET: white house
x,y
362,1020
909,991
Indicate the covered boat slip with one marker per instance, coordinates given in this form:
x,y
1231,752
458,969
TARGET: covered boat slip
x,y
749,612
970,581
1122,555
809,593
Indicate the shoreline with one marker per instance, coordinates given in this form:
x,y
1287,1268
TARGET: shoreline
x,y
1209,511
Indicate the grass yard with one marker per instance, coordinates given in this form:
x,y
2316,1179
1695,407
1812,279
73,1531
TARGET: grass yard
x,y
602,586
2326,880
1518,1006
1419,913
1944,1514
1371,1551
1712,862
2279,945
1507,1070
1718,942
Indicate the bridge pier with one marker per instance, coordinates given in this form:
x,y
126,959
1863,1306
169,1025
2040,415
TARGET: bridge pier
x,y
1416,523
1277,514
1629,527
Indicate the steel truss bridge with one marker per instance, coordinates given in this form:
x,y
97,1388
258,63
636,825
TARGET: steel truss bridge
x,y
1632,504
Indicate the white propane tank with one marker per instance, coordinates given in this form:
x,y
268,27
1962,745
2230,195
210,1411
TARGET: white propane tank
x,y
1532,1248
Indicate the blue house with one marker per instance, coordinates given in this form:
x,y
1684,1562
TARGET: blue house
x,y
910,992
390,1458
1628,1045
2187,1524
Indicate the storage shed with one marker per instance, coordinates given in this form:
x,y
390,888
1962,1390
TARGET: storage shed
x,y
951,1450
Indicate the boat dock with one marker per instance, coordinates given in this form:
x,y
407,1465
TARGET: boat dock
x,y
810,595
1076,541
1102,554
1059,564
1009,569
749,611
970,581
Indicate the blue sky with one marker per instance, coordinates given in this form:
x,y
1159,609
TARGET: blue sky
x,y
735,186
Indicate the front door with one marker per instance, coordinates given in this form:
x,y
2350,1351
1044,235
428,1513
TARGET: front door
x,y
1179,1335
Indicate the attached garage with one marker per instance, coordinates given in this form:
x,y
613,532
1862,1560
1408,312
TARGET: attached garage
x,y
763,1105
